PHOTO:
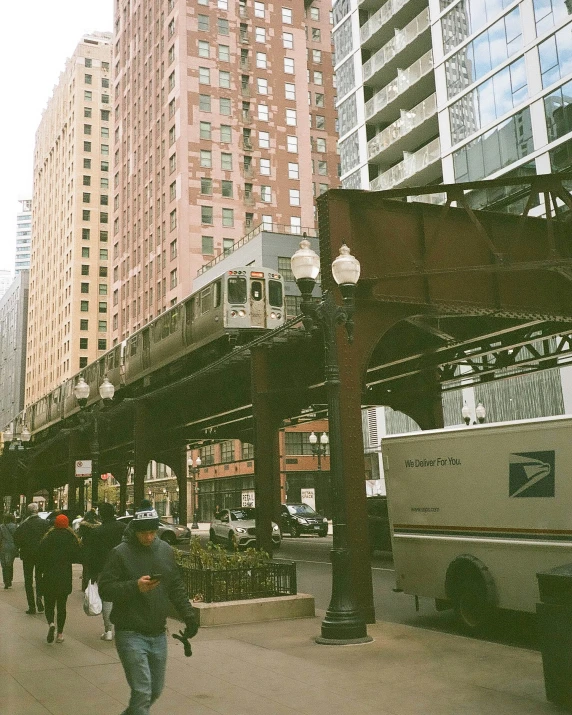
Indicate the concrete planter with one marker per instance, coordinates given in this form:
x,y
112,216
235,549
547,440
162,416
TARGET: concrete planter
x,y
255,610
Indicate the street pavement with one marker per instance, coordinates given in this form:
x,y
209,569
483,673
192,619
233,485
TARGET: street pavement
x,y
265,669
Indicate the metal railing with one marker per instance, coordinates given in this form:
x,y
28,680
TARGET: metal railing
x,y
380,18
212,585
412,164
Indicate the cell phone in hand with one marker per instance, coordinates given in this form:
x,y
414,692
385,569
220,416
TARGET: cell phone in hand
x,y
155,576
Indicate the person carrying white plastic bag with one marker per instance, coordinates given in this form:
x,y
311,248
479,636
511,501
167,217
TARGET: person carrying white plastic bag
x,y
92,605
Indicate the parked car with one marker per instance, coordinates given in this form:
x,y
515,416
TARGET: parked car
x,y
237,528
296,519
171,533
378,523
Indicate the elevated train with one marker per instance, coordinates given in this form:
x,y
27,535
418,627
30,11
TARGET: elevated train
x,y
229,311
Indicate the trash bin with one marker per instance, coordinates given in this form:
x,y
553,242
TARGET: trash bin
x,y
555,633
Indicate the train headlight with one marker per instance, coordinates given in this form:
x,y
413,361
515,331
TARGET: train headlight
x,y
242,313
233,313
273,316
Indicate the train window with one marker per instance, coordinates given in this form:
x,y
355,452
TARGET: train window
x,y
165,324
236,290
174,320
217,294
256,290
206,300
158,330
196,305
188,312
133,346
275,297
111,360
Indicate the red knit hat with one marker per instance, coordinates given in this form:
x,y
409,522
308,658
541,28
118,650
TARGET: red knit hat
x,y
61,521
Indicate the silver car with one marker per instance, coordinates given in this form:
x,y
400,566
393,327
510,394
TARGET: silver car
x,y
237,528
171,533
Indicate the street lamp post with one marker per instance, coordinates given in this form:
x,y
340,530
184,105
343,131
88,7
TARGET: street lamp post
x,y
343,623
319,449
480,414
193,470
106,392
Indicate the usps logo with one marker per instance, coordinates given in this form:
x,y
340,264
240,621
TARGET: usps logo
x,y
531,474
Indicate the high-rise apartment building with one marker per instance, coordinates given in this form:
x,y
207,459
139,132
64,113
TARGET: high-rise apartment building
x,y
224,120
452,91
23,235
68,302
13,321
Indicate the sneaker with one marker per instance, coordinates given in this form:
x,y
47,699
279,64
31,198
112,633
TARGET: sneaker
x,y
60,638
31,611
107,636
51,631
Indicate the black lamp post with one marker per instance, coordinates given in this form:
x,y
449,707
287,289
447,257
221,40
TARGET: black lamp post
x,y
18,435
319,449
343,623
106,392
193,470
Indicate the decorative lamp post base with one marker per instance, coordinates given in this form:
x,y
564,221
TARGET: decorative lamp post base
x,y
320,640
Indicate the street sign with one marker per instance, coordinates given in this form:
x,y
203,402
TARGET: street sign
x,y
248,498
83,468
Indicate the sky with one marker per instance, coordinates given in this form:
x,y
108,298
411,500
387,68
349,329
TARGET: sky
x,y
37,38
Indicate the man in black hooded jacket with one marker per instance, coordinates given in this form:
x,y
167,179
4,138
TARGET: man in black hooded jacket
x,y
141,579
27,538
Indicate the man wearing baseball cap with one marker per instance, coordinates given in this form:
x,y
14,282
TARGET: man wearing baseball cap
x,y
140,578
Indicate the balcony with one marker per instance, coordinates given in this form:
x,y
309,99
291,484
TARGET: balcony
x,y
418,169
403,48
411,129
407,89
394,13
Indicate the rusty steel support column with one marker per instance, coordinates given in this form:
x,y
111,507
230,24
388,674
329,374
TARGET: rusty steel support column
x,y
176,458
141,438
72,456
123,490
353,466
266,449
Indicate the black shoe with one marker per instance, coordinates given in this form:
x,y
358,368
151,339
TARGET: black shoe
x,y
31,611
51,631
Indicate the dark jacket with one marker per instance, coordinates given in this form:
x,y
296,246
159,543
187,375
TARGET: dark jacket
x,y
8,549
144,613
59,549
99,545
28,535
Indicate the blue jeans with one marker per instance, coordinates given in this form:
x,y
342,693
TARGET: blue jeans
x,y
144,660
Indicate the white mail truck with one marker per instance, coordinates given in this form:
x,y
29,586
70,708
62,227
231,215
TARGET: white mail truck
x,y
477,511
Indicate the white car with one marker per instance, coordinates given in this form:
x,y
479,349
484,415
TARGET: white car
x,y
237,528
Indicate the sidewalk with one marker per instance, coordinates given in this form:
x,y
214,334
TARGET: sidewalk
x,y
267,669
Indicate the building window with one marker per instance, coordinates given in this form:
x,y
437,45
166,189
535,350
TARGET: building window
x,y
172,163
225,134
87,96
323,168
226,161
173,191
247,450
315,14
316,34
285,268
206,158
203,23
84,287
102,326
259,9
171,54
291,117
320,121
204,102
206,186
227,451
261,60
204,48
320,144
226,188
294,197
85,252
293,170
85,272
224,53
173,249
104,115
85,233
228,217
260,35
290,91
262,85
103,217
265,167
266,194
173,279
173,220
87,146
318,78
87,128
207,245
295,224
172,80
104,199
101,344
204,75
102,289
84,306
207,455
102,307
224,79
297,443
286,16
82,362
288,65
224,106
87,112
222,26
88,62
207,215
263,112
264,140
88,78
103,271
104,166
288,40
86,198
319,99
85,215
292,144
83,324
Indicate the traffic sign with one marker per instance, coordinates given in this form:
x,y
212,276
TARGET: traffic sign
x,y
83,468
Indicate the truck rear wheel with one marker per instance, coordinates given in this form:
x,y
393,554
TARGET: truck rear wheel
x,y
471,604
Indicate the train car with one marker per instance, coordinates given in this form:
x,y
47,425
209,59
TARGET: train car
x,y
241,302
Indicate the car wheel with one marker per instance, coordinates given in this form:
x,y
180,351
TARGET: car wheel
x,y
212,536
295,530
169,538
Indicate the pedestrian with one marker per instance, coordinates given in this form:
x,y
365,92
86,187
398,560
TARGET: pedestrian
x,y
59,549
27,538
175,515
141,579
8,550
99,545
85,530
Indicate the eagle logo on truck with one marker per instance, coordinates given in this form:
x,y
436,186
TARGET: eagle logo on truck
x,y
531,474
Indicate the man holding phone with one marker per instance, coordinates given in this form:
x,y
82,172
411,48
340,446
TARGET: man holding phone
x,y
140,578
